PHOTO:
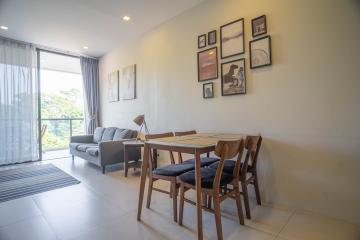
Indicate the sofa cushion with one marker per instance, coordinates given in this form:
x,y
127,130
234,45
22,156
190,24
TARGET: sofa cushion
x,y
93,151
108,134
98,134
123,134
83,147
74,146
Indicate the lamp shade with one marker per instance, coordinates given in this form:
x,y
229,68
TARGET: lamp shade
x,y
139,120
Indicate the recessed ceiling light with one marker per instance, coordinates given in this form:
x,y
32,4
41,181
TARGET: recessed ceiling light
x,y
126,18
4,27
85,47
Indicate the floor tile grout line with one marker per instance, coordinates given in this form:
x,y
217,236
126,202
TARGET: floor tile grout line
x,y
287,222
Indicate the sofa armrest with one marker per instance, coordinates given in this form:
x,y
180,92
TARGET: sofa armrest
x,y
82,139
113,151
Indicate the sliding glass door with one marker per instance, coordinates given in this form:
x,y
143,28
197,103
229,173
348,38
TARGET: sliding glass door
x,y
62,103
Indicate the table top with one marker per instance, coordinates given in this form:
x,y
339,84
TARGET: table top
x,y
199,140
134,143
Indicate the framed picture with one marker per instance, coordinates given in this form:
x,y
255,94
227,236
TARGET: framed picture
x,y
202,41
208,90
258,26
260,52
232,38
207,64
233,80
128,82
212,37
113,86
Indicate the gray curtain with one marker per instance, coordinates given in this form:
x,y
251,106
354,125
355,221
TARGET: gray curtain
x,y
90,74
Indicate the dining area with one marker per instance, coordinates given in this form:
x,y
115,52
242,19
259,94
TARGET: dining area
x,y
221,167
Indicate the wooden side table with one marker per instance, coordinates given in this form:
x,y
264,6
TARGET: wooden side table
x,y
127,146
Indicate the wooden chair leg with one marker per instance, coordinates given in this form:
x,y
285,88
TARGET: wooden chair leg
x,y
181,207
151,182
246,199
257,191
209,202
239,205
174,197
217,212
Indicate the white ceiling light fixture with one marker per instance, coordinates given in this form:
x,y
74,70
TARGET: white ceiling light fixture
x,y
4,27
126,18
85,47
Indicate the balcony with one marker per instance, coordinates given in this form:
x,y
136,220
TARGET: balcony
x,y
56,137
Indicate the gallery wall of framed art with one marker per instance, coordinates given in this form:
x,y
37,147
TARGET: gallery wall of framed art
x,y
232,55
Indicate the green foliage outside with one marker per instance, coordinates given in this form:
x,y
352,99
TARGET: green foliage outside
x,y
66,104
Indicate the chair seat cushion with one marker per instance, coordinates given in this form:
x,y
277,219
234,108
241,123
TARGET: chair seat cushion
x,y
229,166
93,151
83,147
173,169
205,161
207,177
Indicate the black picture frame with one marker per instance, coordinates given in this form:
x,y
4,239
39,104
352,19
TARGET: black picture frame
x,y
253,22
254,65
200,45
217,63
222,40
212,90
223,80
214,39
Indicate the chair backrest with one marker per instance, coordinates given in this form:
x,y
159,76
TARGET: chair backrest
x,y
160,135
228,150
252,145
183,134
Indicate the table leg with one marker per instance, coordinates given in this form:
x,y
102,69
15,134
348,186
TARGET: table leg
x,y
144,168
126,160
198,194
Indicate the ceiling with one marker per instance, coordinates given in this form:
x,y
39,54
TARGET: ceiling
x,y
71,24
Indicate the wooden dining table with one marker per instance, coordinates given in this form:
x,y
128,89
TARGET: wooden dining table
x,y
195,144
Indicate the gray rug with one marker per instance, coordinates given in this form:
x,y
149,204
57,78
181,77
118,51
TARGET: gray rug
x,y
26,181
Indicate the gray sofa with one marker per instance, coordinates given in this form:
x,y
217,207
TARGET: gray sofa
x,y
104,147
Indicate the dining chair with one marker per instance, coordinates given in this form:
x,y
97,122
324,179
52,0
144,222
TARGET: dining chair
x,y
205,161
167,173
212,181
248,170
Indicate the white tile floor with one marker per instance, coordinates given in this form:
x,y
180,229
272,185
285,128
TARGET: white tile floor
x,y
104,207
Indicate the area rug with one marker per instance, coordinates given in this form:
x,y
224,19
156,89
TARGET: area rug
x,y
26,181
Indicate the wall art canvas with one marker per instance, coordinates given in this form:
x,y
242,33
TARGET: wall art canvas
x,y
128,82
113,86
207,64
259,26
208,90
232,38
233,80
260,52
202,41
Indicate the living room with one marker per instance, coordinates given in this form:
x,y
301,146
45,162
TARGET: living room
x,y
193,119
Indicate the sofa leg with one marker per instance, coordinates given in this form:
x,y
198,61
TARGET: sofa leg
x,y
72,157
103,169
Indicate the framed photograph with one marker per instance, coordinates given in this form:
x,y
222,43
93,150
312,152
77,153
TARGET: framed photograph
x,y
113,86
233,80
207,64
258,26
260,52
208,90
232,38
202,41
212,37
128,82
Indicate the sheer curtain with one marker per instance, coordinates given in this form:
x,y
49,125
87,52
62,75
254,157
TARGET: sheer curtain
x,y
18,103
90,73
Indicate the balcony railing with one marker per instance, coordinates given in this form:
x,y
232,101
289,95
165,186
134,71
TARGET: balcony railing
x,y
59,130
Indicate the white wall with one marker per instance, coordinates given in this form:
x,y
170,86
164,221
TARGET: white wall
x,y
306,105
